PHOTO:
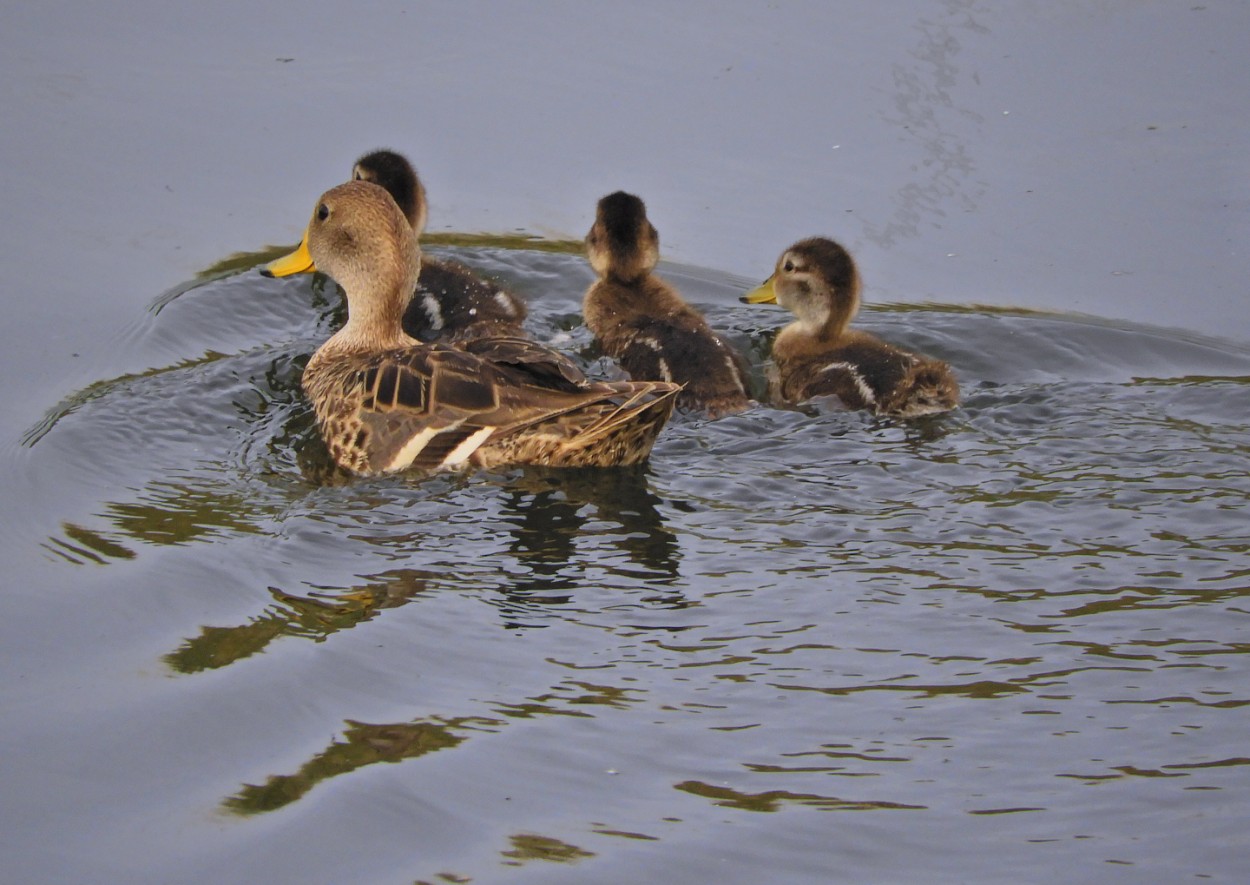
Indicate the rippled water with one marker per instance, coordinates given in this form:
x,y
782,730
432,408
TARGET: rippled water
x,y
1007,644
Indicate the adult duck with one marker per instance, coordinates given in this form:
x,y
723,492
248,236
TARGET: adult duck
x,y
386,402
451,302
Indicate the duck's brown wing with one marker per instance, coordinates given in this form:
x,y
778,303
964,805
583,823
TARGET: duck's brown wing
x,y
535,363
409,408
431,407
712,370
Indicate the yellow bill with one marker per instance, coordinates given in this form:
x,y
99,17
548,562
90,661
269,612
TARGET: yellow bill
x,y
763,294
298,261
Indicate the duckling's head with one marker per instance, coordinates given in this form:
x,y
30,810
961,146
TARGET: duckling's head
x,y
393,172
816,280
622,243
358,236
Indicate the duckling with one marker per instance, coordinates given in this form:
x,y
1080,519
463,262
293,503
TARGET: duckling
x,y
817,355
386,402
452,303
641,320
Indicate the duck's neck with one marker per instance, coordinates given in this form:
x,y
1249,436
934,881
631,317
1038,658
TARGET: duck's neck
x,y
834,328
612,302
372,325
825,326
628,277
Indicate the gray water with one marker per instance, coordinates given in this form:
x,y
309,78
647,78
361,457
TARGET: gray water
x,y
1012,638
1005,644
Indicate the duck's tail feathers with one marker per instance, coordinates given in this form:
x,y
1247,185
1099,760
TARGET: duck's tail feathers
x,y
625,427
651,401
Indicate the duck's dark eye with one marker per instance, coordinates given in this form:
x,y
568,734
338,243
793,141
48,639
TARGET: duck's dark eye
x,y
323,212
788,266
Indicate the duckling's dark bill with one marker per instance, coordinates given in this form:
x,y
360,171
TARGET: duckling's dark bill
x,y
298,261
762,294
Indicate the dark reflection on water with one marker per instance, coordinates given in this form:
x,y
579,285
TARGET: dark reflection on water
x,y
549,510
978,618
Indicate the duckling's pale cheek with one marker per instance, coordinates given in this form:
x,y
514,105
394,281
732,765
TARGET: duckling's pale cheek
x,y
598,259
799,300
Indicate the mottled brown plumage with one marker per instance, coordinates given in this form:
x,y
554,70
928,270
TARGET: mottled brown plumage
x,y
641,321
818,355
386,402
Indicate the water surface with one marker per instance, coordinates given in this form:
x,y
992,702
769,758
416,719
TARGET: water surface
x,y
1008,638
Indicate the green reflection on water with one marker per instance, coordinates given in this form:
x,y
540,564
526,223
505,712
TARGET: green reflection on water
x,y
624,834
984,688
1218,763
168,514
588,694
527,242
527,846
451,878
86,545
315,616
775,800
179,514
363,744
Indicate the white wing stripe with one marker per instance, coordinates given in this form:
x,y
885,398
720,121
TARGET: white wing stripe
x,y
467,447
850,368
405,456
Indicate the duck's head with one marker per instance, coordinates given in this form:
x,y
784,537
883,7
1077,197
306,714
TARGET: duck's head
x,y
393,172
359,237
622,243
816,280
388,170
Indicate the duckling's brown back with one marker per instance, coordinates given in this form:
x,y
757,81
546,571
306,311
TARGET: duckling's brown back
x,y
689,353
868,373
656,336
452,303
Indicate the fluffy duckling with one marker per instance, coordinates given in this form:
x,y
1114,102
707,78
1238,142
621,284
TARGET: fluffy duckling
x,y
818,355
452,303
386,402
643,323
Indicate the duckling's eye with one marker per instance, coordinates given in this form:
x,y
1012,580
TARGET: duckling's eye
x,y
788,266
323,212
